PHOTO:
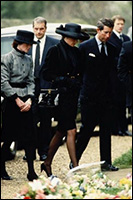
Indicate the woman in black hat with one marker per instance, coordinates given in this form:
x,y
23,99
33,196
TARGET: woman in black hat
x,y
17,87
63,68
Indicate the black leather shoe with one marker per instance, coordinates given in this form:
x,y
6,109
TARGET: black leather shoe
x,y
120,133
5,176
108,167
31,177
10,157
127,133
43,157
47,169
25,158
71,165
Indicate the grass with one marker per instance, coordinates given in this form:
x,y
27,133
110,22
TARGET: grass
x,y
124,161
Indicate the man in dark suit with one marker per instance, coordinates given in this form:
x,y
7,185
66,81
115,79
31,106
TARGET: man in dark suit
x,y
124,68
43,114
95,97
117,38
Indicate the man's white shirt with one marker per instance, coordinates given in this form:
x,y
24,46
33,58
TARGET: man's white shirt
x,y
42,44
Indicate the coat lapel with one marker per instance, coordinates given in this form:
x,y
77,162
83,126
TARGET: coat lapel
x,y
46,47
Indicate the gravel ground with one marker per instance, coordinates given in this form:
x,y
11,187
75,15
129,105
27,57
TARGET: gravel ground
x,y
18,168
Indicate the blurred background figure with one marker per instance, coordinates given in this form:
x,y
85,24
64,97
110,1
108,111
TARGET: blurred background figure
x,y
125,70
120,126
129,32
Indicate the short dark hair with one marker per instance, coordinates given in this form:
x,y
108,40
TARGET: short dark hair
x,y
40,20
16,43
118,17
105,22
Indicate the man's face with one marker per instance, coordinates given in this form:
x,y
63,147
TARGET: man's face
x,y
39,30
104,35
118,25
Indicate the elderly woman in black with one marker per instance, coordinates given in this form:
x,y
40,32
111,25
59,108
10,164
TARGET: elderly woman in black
x,y
63,69
17,87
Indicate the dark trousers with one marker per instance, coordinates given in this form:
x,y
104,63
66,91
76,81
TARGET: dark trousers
x,y
29,151
119,100
45,130
93,114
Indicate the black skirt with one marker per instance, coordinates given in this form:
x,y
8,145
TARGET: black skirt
x,y
66,111
16,125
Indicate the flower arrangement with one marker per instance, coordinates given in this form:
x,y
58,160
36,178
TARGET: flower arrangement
x,y
98,186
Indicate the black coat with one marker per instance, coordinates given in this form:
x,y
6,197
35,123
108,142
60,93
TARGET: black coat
x,y
58,62
125,68
119,89
48,44
96,80
63,68
117,43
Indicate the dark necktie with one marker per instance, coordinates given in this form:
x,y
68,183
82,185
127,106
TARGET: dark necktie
x,y
37,58
103,49
121,38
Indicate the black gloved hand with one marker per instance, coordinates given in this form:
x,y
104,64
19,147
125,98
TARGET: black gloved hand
x,y
61,81
73,83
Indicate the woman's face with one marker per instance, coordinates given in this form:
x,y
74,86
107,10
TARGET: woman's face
x,y
24,47
71,41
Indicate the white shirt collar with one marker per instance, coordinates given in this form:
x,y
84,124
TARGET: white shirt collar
x,y
118,34
97,40
42,40
99,44
42,44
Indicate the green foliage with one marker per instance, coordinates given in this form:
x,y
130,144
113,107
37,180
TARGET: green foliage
x,y
111,191
67,11
125,160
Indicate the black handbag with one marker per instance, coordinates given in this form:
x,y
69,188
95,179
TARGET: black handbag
x,y
48,98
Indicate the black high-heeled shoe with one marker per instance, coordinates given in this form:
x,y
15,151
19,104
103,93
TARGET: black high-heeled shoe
x,y
43,167
31,177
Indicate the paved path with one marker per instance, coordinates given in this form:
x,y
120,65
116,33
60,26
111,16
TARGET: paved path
x,y
121,173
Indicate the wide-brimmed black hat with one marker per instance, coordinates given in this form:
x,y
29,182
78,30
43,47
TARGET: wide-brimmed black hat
x,y
71,30
25,37
85,36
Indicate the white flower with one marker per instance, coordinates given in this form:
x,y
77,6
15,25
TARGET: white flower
x,y
54,181
36,185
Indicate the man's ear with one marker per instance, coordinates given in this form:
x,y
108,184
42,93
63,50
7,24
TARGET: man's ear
x,y
98,30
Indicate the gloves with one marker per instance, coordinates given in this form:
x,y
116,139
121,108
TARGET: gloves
x,y
69,83
60,81
73,83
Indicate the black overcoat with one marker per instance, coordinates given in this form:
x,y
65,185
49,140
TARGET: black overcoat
x,y
119,89
65,61
97,84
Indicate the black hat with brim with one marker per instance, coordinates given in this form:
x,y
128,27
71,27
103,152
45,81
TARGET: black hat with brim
x,y
86,36
71,30
24,36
